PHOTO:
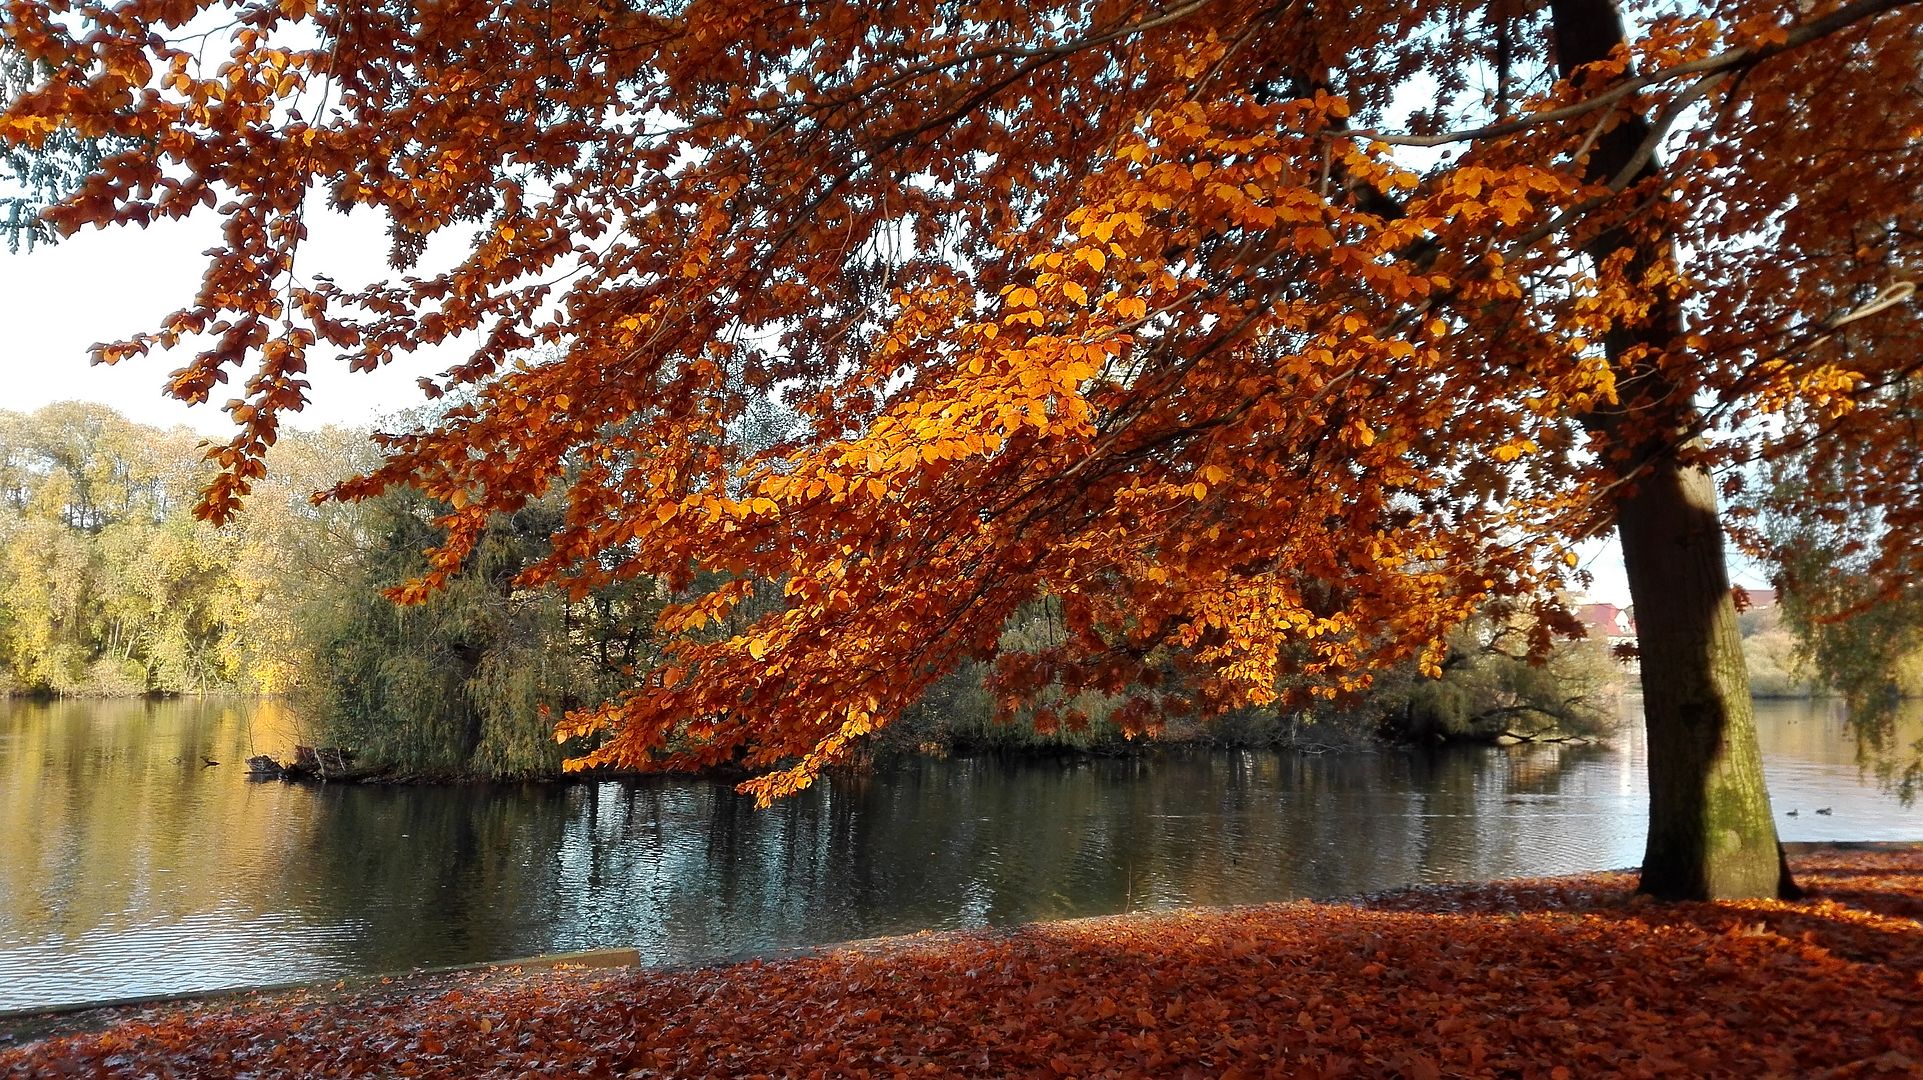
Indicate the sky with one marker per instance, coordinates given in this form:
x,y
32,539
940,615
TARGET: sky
x,y
58,301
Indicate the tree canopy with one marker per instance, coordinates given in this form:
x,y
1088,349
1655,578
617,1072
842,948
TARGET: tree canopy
x,y
1275,338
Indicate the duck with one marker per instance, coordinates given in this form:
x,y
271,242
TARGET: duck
x,y
1792,813
1825,811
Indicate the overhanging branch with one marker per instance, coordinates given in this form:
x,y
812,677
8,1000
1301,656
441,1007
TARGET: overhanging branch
x,y
1737,59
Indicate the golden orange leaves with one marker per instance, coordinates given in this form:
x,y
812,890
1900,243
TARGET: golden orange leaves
x,y
918,320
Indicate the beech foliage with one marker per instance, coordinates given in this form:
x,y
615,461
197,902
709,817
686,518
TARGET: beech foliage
x,y
1261,331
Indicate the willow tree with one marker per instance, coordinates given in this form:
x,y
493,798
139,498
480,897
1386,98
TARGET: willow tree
x,y
1177,314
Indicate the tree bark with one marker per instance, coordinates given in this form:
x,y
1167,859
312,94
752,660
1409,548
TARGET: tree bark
x,y
1711,832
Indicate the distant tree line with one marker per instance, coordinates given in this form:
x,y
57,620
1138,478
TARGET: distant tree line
x,y
110,586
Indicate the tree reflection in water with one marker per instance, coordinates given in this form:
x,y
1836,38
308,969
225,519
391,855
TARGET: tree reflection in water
x,y
125,871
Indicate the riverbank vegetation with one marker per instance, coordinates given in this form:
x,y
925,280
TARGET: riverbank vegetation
x,y
112,587
109,586
1546,979
108,583
1488,689
469,683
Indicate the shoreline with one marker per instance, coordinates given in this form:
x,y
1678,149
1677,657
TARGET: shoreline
x,y
385,776
1339,741
1599,902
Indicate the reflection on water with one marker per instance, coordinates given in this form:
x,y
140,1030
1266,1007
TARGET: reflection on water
x,y
127,867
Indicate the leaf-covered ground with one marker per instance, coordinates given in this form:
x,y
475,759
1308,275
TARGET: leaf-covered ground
x,y
1569,977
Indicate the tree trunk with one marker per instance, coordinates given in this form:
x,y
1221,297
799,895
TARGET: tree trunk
x,y
1711,832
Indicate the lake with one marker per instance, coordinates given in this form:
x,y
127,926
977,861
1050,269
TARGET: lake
x,y
127,867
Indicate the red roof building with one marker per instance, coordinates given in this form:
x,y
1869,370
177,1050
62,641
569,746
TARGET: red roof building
x,y
1607,621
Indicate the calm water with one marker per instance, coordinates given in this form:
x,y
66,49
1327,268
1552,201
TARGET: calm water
x,y
127,868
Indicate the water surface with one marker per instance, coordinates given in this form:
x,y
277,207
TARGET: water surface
x,y
127,867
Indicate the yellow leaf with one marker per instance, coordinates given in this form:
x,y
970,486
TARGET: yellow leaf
x,y
757,648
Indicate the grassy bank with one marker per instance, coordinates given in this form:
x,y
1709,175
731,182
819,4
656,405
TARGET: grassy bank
x,y
1554,978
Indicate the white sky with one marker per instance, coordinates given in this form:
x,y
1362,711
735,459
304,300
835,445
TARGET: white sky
x,y
56,302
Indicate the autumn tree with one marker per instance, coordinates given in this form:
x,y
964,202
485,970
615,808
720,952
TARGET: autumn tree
x,y
44,171
1279,337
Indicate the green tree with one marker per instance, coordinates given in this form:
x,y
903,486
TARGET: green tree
x,y
1498,683
467,683
1860,632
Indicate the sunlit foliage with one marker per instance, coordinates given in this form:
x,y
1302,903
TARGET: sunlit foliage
x,y
1168,311
108,584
